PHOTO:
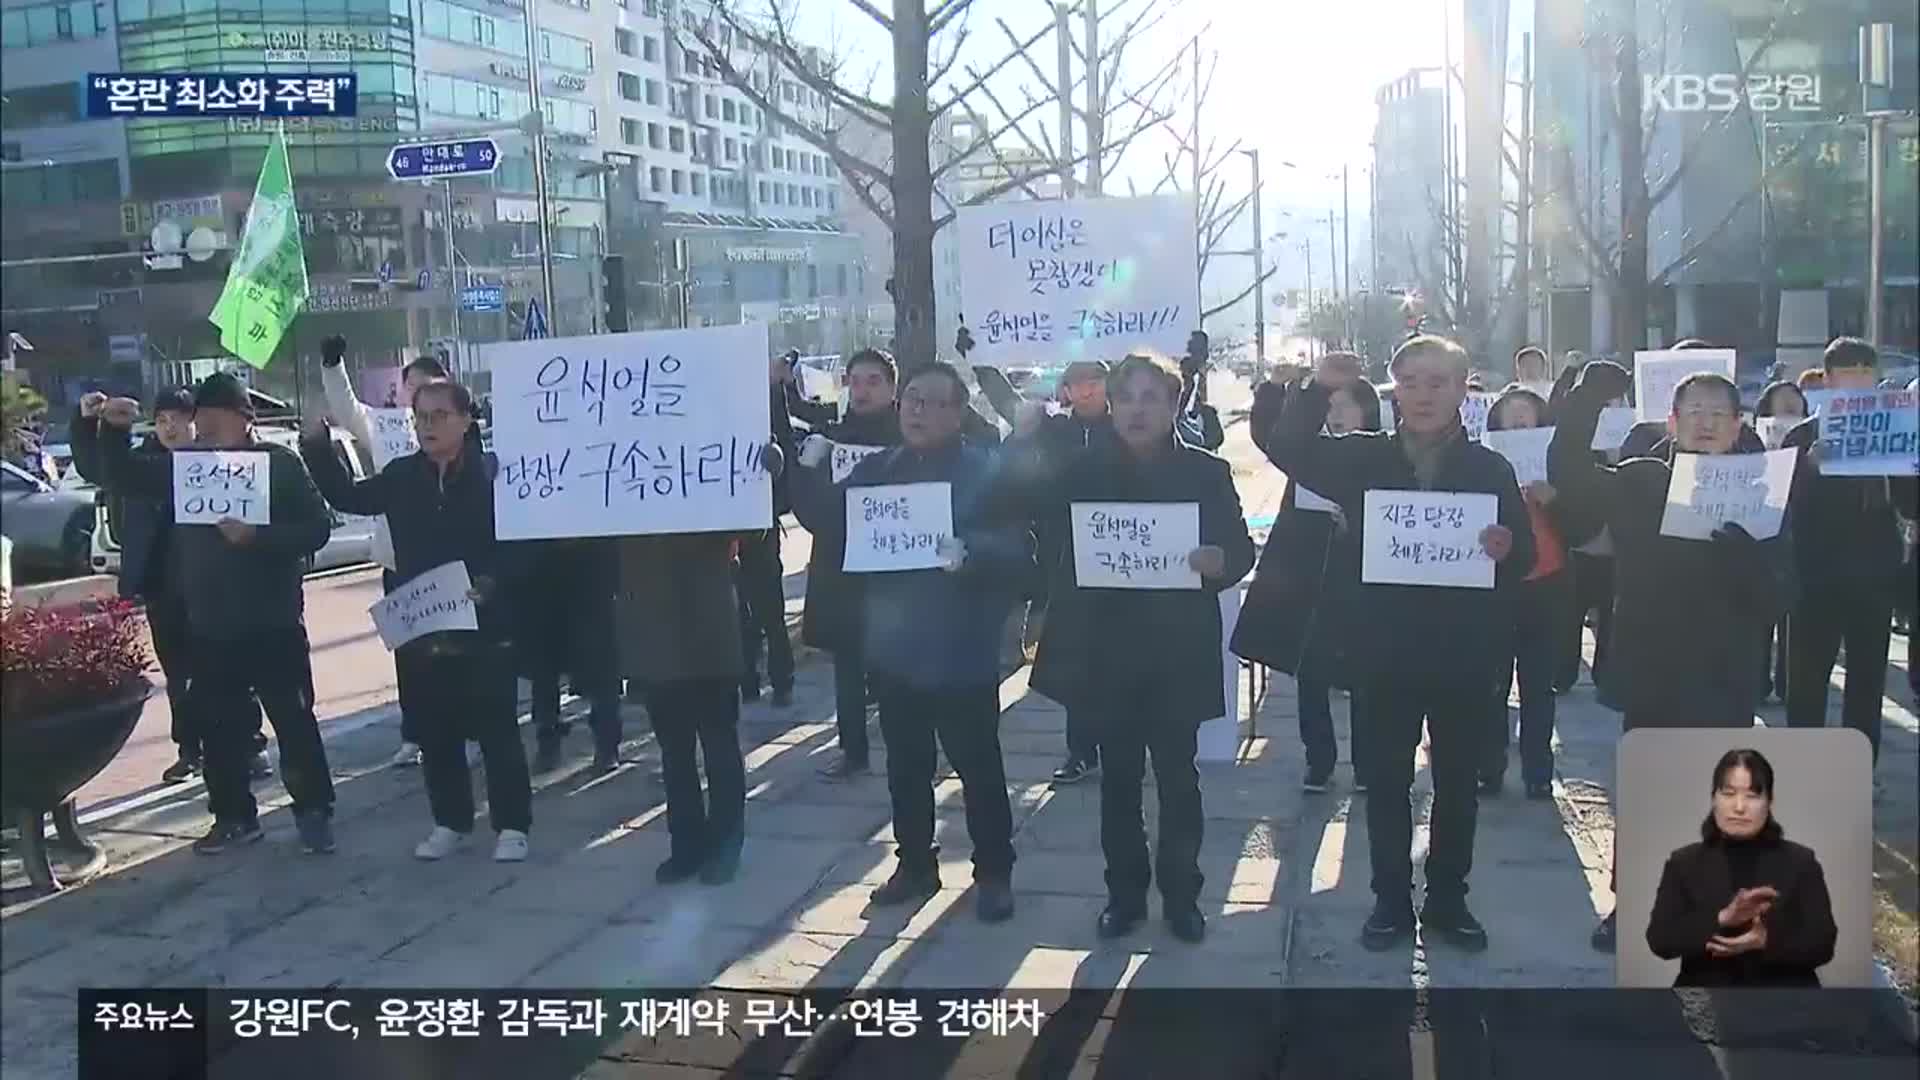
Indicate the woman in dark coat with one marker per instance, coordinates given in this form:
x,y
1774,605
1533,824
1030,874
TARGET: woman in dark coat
x,y
1782,405
1301,607
1745,906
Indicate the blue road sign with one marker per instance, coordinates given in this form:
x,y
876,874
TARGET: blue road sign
x,y
536,324
386,272
483,298
443,161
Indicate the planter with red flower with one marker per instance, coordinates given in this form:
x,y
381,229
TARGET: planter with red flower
x,y
72,684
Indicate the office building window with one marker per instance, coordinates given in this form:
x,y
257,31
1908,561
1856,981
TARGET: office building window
x,y
656,139
656,178
712,106
563,50
679,181
625,43
840,280
46,24
653,92
763,191
793,195
732,149
813,280
676,140
698,181
630,131
650,49
630,86
726,109
57,185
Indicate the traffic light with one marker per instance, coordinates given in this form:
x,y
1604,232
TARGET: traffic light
x,y
613,292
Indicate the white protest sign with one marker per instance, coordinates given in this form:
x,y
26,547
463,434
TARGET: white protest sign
x,y
1388,418
436,600
393,437
817,384
1305,498
897,526
659,431
1817,400
1870,433
1065,278
1427,538
1616,423
1135,545
1473,413
210,486
1525,449
844,456
1710,490
1657,373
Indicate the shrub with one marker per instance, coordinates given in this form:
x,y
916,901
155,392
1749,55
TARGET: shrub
x,y
63,658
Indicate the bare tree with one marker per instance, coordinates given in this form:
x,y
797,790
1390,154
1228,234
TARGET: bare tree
x,y
886,148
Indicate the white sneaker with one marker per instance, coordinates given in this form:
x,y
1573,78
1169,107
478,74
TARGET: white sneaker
x,y
407,757
439,844
511,847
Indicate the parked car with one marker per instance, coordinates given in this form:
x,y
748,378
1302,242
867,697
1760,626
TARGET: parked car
x,y
51,527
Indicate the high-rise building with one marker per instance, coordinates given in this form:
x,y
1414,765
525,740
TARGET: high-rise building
x,y
1410,181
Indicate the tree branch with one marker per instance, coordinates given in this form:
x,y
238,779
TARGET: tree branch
x,y
1665,187
945,12
980,78
873,13
1692,250
1241,295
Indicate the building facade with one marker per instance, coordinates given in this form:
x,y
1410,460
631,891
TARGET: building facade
x,y
1409,168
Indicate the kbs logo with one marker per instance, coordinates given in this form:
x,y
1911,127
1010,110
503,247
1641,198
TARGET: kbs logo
x,y
1723,92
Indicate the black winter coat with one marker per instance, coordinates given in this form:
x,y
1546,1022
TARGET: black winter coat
x,y
832,616
1168,637
1700,879
1845,535
1686,613
1411,632
1301,609
140,525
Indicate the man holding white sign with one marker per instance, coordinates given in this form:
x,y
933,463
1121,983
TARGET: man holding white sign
x,y
438,503
931,636
1437,643
1154,533
244,587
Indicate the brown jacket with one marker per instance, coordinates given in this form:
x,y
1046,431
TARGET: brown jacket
x,y
676,611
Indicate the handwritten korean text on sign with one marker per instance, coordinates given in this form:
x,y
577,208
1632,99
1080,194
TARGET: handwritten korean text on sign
x,y
210,486
1870,433
1616,423
1525,449
1427,538
897,526
1710,490
1657,373
1135,545
1473,413
845,456
393,436
435,601
660,431
1078,276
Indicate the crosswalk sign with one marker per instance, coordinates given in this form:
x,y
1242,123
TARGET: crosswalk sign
x,y
536,323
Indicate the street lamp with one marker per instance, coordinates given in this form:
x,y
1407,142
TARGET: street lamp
x,y
1876,85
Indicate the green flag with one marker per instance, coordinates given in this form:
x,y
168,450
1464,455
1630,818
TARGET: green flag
x,y
268,280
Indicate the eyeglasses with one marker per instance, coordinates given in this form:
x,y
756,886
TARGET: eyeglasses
x,y
923,403
433,417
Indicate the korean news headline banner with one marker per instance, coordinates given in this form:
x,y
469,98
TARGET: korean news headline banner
x,y
1063,278
1135,545
1658,373
218,94
659,431
211,486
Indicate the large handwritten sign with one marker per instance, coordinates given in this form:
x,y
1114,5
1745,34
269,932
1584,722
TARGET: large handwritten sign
x,y
1525,449
1870,433
1064,278
844,456
1135,545
897,526
1616,423
1427,538
435,601
1657,373
662,431
1710,490
1473,413
393,436
211,486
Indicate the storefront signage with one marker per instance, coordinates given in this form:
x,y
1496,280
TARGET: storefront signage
x,y
253,125
769,254
503,70
569,82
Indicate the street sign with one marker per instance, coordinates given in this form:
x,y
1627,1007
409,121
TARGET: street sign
x,y
424,281
386,272
443,161
485,298
536,324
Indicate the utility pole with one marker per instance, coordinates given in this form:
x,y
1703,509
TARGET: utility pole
x,y
1096,102
1306,246
1876,79
1523,224
1199,266
1333,268
453,278
1063,37
531,11
1346,249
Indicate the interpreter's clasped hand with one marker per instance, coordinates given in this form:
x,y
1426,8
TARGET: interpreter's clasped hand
x,y
1748,905
1208,560
814,450
1753,940
952,553
1497,542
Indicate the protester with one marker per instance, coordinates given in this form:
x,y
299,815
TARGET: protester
x,y
1301,614
245,599
1431,650
1197,422
1537,616
1532,370
142,527
1812,379
1653,438
1687,613
931,640
831,620
346,409
437,504
1785,406
1590,566
1847,550
1151,688
565,627
758,572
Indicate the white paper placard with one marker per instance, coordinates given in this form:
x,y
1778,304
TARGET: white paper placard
x,y
1064,278
659,431
1870,433
1710,490
210,486
436,600
1616,423
1473,413
1218,739
844,456
1305,498
393,435
1135,545
897,526
1388,418
1525,449
1427,538
1656,374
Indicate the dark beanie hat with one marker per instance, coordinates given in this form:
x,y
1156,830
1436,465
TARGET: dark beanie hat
x,y
173,399
221,390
